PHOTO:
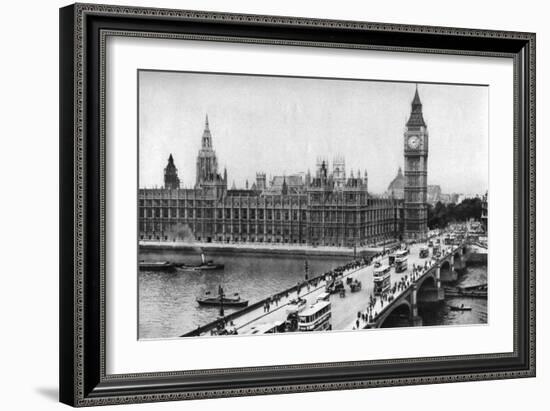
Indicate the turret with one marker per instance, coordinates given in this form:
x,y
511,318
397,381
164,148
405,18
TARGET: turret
x,y
284,188
260,181
171,179
339,171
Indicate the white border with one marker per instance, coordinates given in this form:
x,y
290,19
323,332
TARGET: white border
x,y
125,354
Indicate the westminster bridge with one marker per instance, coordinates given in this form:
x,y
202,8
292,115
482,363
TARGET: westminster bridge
x,y
420,283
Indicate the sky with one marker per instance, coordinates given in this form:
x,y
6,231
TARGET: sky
x,y
281,125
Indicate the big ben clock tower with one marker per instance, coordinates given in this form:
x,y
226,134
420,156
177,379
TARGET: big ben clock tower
x,y
416,173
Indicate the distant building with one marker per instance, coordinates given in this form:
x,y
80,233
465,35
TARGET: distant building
x,y
434,194
460,198
396,189
485,211
454,198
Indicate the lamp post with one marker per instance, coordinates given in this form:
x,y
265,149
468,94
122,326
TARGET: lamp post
x,y
220,292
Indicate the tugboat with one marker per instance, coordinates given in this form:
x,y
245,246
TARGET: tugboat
x,y
203,266
222,300
156,266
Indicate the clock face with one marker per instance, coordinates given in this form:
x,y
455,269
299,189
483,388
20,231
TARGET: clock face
x,y
413,142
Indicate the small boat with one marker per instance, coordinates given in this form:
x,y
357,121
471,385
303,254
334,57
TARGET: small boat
x,y
203,266
222,299
460,308
156,265
208,265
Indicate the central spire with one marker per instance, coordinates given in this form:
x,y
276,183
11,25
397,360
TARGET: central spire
x,y
207,163
206,135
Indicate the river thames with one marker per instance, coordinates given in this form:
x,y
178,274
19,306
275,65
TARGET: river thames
x,y
168,306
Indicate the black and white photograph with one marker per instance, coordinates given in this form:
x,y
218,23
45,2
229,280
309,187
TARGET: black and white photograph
x,y
272,204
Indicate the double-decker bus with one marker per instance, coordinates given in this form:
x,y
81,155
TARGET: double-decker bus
x,y
449,239
424,252
397,254
401,263
382,281
316,317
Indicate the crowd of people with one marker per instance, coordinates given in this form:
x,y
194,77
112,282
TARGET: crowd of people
x,y
273,301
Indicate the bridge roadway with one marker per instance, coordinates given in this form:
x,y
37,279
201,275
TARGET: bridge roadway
x,y
345,309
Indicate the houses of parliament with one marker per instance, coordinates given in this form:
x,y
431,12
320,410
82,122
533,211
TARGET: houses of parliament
x,y
327,208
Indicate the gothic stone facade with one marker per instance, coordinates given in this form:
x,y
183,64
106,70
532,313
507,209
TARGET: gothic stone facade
x,y
327,209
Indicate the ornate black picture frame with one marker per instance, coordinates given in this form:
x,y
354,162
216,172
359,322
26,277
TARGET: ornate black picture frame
x,y
83,30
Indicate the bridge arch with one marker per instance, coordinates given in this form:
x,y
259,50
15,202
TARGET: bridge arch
x,y
398,316
445,266
429,291
428,280
425,284
447,272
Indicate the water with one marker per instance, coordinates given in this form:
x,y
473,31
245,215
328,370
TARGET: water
x,y
167,301
440,314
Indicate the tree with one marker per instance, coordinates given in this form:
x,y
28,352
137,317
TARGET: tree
x,y
440,215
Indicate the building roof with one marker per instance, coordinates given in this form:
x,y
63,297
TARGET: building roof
x,y
416,119
312,309
295,180
292,184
